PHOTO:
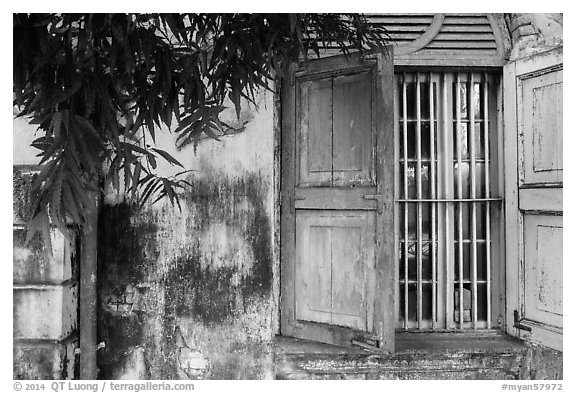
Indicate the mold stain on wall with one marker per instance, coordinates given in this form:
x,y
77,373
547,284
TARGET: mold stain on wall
x,y
189,290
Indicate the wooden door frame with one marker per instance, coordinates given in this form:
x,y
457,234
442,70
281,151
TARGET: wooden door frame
x,y
386,279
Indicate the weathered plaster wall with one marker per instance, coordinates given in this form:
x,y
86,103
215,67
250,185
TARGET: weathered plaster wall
x,y
23,134
189,294
534,33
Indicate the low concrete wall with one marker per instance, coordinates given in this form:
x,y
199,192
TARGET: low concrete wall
x,y
45,295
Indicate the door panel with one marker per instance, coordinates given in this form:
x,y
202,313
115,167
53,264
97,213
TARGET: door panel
x,y
543,272
534,203
313,286
337,269
334,256
540,126
315,113
352,158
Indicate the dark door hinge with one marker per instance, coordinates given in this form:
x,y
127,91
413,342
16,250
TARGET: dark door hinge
x,y
518,322
293,200
368,343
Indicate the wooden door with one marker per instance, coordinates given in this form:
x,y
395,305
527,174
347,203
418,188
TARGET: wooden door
x,y
338,270
534,183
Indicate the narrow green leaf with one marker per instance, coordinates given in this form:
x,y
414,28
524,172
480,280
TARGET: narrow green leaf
x,y
168,189
156,185
133,147
70,203
85,124
127,176
53,151
209,130
56,124
188,120
152,160
168,157
56,191
136,178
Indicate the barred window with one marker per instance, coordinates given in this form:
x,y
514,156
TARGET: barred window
x,y
448,201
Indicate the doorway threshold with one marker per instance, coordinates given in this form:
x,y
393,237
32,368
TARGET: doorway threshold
x,y
418,356
412,342
457,341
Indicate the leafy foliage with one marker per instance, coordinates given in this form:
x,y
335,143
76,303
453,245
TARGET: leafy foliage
x,y
99,85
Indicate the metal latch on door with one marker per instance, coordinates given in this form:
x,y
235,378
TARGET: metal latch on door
x,y
379,200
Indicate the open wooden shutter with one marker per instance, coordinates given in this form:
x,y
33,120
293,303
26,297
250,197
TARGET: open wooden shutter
x,y
533,150
338,269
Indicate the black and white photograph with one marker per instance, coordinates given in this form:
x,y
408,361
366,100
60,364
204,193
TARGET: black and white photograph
x,y
287,196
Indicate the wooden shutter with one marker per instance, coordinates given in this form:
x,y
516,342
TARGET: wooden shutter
x,y
534,162
338,277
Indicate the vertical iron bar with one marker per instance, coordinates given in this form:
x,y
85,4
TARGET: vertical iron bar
x,y
472,171
405,153
459,190
419,196
487,195
433,196
447,156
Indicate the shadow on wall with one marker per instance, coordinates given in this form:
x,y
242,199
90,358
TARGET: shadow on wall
x,y
187,295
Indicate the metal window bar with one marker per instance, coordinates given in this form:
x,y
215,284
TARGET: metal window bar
x,y
419,205
405,155
459,204
447,164
433,196
485,124
451,200
472,171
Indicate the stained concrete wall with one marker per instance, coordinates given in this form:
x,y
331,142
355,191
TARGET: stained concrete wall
x,y
190,293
